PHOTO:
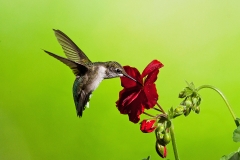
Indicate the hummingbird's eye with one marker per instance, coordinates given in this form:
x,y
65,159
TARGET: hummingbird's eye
x,y
118,70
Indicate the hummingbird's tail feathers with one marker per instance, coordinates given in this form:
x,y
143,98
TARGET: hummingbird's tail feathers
x,y
82,103
72,51
78,69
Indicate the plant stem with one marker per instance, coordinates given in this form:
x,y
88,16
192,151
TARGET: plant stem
x,y
157,109
223,97
161,109
148,114
174,143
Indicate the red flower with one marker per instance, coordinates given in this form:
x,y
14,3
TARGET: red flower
x,y
148,125
135,97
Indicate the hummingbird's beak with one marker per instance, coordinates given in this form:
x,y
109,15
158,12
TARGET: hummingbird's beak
x,y
126,75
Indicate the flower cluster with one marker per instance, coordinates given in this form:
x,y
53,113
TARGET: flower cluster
x,y
138,96
191,101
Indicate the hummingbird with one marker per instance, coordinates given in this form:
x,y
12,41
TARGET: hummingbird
x,y
88,74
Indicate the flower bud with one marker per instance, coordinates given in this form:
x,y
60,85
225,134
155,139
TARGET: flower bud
x,y
197,110
194,100
159,137
161,150
187,111
199,101
163,138
178,111
182,94
166,138
160,128
148,126
188,103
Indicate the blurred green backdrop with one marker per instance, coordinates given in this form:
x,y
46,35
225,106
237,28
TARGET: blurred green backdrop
x,y
196,41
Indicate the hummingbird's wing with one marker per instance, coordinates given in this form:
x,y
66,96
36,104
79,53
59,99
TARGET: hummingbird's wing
x,y
77,68
81,97
70,48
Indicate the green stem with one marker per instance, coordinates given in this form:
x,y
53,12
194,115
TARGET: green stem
x,y
148,114
223,97
174,142
157,109
161,108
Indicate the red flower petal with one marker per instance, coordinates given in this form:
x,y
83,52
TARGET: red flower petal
x,y
129,96
165,152
119,103
154,65
152,96
135,110
147,126
151,78
130,102
134,115
134,73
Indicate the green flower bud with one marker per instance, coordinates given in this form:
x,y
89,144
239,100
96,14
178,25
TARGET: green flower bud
x,y
178,111
160,139
182,103
161,150
194,100
194,94
188,103
187,111
166,138
160,128
199,101
159,132
182,94
197,110
163,139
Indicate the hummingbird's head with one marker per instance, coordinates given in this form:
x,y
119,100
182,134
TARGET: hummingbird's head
x,y
114,69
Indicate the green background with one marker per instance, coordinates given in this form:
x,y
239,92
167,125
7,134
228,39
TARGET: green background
x,y
196,41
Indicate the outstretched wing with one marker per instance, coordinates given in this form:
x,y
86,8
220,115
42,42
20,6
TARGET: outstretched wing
x,y
81,97
77,68
70,48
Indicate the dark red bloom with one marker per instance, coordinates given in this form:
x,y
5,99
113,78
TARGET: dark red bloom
x,y
134,97
148,126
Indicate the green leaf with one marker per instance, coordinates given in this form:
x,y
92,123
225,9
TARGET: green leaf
x,y
191,86
231,156
188,91
236,134
148,158
170,113
237,121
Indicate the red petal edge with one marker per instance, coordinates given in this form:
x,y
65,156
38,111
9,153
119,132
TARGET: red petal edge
x,y
152,66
